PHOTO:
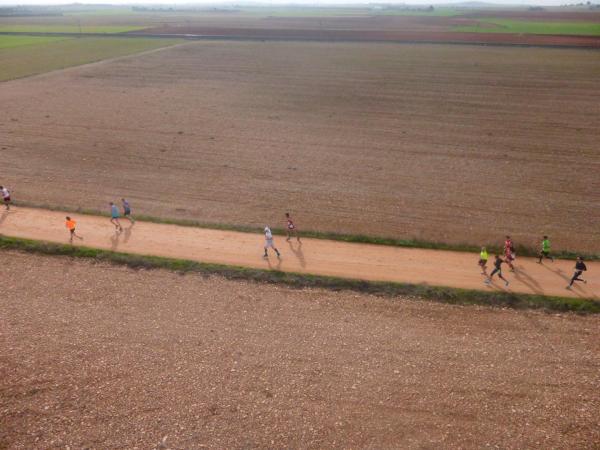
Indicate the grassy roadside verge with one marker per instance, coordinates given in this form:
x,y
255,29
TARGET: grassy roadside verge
x,y
388,289
356,238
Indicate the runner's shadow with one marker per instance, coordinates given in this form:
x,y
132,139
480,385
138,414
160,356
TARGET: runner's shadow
x,y
494,285
558,272
579,290
528,281
298,253
114,240
4,216
127,235
274,266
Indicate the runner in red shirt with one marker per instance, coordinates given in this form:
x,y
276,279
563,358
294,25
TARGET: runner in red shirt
x,y
509,253
291,228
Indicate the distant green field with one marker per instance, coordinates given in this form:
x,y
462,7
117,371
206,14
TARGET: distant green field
x,y
517,26
110,29
19,41
298,11
116,11
49,54
439,12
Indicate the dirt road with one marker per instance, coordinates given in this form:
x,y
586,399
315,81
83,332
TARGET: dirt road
x,y
314,256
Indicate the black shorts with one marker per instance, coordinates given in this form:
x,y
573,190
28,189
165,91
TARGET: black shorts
x,y
545,253
482,262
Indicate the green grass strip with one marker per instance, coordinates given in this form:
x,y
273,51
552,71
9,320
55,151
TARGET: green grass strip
x,y
355,238
70,28
296,280
21,41
493,25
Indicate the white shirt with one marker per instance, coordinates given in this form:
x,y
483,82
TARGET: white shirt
x,y
268,234
5,193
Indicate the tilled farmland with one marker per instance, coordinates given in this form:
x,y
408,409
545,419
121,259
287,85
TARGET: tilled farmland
x,y
377,35
97,356
445,143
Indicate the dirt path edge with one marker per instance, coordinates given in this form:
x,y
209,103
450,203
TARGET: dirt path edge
x,y
440,294
331,236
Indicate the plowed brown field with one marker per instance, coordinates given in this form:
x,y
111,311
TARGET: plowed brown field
x,y
457,144
377,35
390,28
94,356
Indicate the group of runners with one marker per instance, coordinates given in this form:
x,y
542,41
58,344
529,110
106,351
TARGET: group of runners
x,y
292,231
510,257
115,216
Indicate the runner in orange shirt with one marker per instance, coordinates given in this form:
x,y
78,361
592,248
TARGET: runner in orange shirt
x,y
70,223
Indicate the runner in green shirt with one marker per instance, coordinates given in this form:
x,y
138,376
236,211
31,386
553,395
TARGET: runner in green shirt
x,y
483,258
545,253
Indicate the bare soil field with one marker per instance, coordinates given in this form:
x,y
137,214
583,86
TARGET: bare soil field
x,y
445,143
378,36
96,356
547,15
357,24
368,28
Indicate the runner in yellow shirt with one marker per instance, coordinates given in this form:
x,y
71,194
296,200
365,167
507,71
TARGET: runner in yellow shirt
x,y
483,258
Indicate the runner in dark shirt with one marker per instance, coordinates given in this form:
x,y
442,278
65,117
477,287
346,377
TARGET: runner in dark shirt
x,y
127,211
497,270
579,269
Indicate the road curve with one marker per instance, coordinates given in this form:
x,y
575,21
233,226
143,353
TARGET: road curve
x,y
313,256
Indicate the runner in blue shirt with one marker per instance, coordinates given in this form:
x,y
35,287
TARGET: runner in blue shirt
x,y
114,216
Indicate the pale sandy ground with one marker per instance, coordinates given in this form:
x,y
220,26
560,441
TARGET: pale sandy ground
x,y
314,256
103,357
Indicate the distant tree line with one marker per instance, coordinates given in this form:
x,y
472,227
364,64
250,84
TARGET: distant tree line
x,y
587,4
178,9
20,11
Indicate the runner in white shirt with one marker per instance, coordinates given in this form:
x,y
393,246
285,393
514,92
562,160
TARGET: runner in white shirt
x,y
5,196
269,242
